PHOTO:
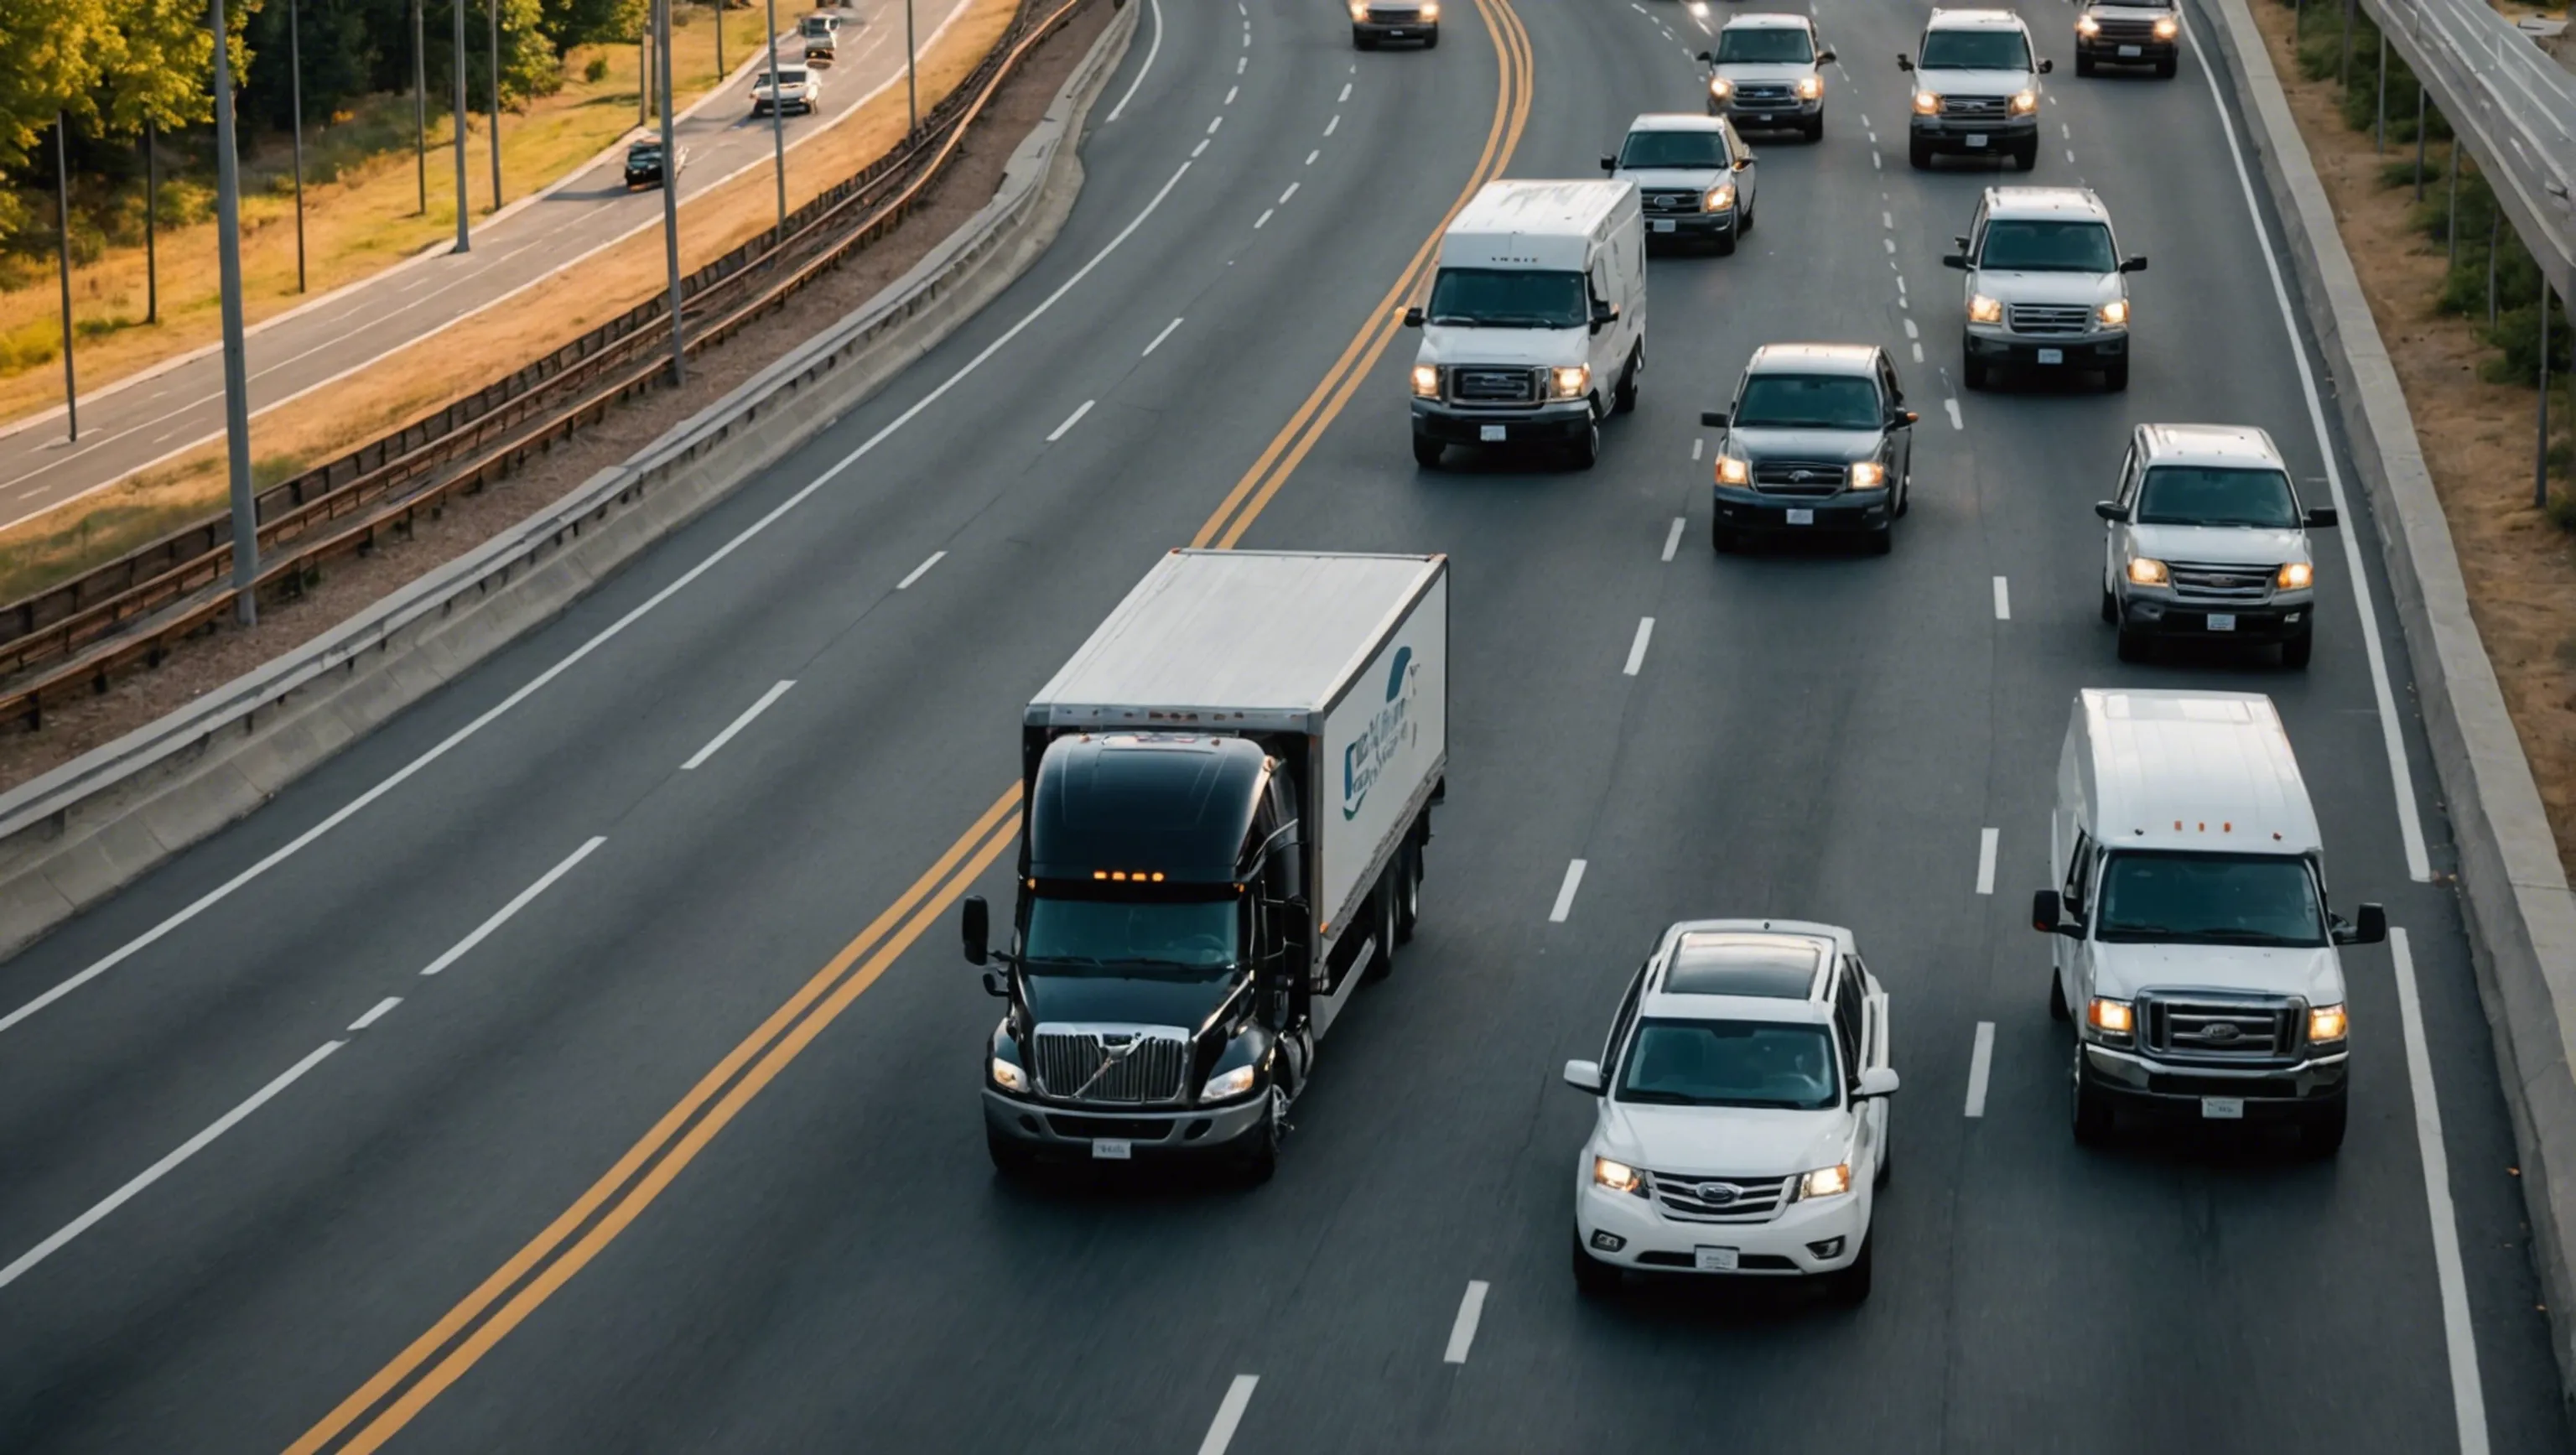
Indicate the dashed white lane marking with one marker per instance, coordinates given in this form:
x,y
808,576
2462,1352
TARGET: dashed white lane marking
x,y
1981,1063
1952,405
780,690
382,1009
2468,1395
1229,1414
1900,283
1230,94
1333,125
527,896
1462,1330
1264,219
161,1169
1247,37
1673,537
1887,220
1310,156
1637,648
1918,349
1346,92
1291,192
2003,599
1875,164
1891,245
1240,62
1910,330
1864,121
2070,154
1213,123
1695,448
1071,420
1202,146
2064,131
1158,338
1873,138
1565,892
1986,860
915,574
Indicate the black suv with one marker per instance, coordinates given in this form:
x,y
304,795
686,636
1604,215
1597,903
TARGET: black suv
x,y
1819,440
2128,33
644,163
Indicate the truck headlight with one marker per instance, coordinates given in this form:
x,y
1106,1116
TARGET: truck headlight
x,y
2167,28
2109,1020
1426,381
1718,198
2328,1023
1571,383
1927,103
1732,471
1618,1176
1868,475
2146,571
1831,1181
1226,1085
1982,309
1810,87
1359,9
1430,9
2086,25
1720,87
1009,1077
2114,314
2025,102
2296,576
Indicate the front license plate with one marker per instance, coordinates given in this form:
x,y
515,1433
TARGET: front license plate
x,y
2222,621
1665,224
2052,356
1976,140
2222,1108
1111,1149
1802,517
2130,50
1491,434
1714,1260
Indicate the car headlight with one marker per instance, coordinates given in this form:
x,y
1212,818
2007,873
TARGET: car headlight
x,y
1718,198
2087,25
1831,1181
1927,103
1810,87
1868,475
2114,314
1720,87
1571,383
1430,10
2025,102
2146,571
1226,1085
1732,471
1009,1077
2295,576
1359,9
1982,309
1426,381
2167,28
1618,1176
2328,1023
2109,1020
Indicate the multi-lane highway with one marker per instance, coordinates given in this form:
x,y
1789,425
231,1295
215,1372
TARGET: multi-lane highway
x,y
608,1081
139,422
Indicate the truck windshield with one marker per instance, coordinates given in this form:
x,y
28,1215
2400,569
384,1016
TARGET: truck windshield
x,y
1124,935
2195,495
1760,43
1696,150
1508,298
2048,247
1809,401
1975,50
1730,1063
2210,899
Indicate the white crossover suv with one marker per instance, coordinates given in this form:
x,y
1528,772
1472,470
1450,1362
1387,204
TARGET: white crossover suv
x,y
1742,1113
2206,538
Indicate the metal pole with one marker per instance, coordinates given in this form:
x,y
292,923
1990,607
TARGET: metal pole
x,y
2419,140
2346,80
295,91
911,63
670,189
494,6
720,65
236,366
151,225
777,121
464,234
420,103
2493,211
2379,121
644,76
2540,463
63,254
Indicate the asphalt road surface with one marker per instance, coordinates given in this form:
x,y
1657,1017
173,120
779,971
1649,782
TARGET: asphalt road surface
x,y
132,425
679,1147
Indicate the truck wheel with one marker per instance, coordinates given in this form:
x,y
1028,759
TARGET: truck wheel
x,y
2088,1110
1623,399
2028,157
2057,1008
2116,376
2296,651
1850,1287
2165,68
1426,451
1587,446
1973,372
1408,894
1260,1160
1382,928
1880,541
1725,244
1919,154
1431,42
1362,39
1723,541
1816,128
2083,63
2110,607
2321,1134
2134,645
1011,1158
1592,1277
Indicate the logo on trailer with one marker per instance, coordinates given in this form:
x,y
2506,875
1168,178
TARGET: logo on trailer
x,y
1389,731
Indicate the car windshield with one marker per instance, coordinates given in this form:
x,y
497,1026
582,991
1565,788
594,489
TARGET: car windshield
x,y
644,151
1730,1063
818,25
2048,247
1757,43
1975,50
1188,937
2200,495
1508,298
2210,899
792,78
1695,149
1809,401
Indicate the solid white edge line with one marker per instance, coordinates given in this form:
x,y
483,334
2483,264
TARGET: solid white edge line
x,y
502,916
905,584
1981,1062
1229,1414
382,1009
2410,825
1673,537
1071,420
1158,338
1151,51
2468,1396
1565,892
1987,840
1462,1330
772,695
345,812
1637,648
160,1169
2003,599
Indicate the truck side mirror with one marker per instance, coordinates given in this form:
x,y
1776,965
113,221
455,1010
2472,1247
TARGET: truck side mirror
x,y
2047,66
1825,57
1955,260
1904,62
2372,929
1604,315
1413,316
2136,264
1876,1082
1609,164
1706,59
976,918
1904,418
1713,418
2323,517
1584,1076
2046,914
2110,510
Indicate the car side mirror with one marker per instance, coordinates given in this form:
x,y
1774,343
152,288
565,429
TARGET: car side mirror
x,y
2371,929
2047,66
975,918
2047,912
1746,160
1604,315
2322,517
1825,57
1713,418
1413,316
1609,164
1876,1082
1905,417
1584,1076
995,987
2111,510
1955,260
2136,264
1706,59
1904,62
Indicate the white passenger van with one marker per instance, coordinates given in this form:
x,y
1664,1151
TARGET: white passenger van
x,y
2193,948
1536,326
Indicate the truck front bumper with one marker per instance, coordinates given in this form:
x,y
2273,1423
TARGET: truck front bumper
x,y
1752,510
1394,29
2129,52
2281,619
1974,138
2048,351
1556,422
1698,224
1787,1246
1074,1132
2153,1087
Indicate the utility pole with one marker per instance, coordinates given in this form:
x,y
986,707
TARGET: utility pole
x,y
2419,139
670,188
464,234
720,65
151,225
2451,212
295,90
644,75
420,102
2540,461
236,366
777,122
911,63
2345,80
2379,117
494,6
63,254
2493,212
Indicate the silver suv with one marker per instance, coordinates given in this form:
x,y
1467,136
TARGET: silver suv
x,y
1694,177
1976,90
1767,71
2207,539
1819,440
2047,287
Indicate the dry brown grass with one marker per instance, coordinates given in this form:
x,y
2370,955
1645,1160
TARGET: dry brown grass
x,y
2477,438
417,379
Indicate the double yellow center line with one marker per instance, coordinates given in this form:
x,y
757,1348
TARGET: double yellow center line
x,y
389,1400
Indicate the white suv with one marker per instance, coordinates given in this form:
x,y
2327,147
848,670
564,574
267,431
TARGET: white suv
x,y
2206,538
1742,1114
2047,288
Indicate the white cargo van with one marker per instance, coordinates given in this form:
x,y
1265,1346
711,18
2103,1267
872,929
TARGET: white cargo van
x,y
2192,944
1536,326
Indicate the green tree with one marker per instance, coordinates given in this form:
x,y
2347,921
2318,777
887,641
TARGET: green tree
x,y
53,48
568,23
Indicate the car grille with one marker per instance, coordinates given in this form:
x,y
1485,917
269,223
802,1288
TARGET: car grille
x,y
1405,16
1129,1065
2124,32
1765,97
1473,385
1670,201
2050,318
1699,1199
1800,477
1976,108
2211,1029
2221,583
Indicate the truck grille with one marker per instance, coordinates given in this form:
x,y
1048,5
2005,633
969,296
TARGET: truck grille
x,y
1405,16
1800,477
2221,583
1720,1199
1976,108
1120,1065
2211,1028
2050,318
1670,201
2125,32
1493,386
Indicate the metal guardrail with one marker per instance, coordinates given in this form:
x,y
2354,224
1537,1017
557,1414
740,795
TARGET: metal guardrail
x,y
176,586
